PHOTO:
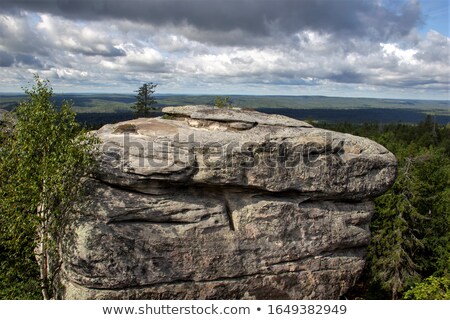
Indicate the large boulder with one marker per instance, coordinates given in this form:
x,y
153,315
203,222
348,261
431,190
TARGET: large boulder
x,y
207,203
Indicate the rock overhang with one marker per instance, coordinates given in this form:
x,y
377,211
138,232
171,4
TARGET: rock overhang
x,y
274,154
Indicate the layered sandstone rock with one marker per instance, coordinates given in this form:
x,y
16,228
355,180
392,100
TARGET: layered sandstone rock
x,y
206,203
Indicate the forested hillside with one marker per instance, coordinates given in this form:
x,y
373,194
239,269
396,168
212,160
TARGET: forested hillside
x,y
409,256
109,108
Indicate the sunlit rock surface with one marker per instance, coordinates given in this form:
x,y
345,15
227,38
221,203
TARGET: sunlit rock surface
x,y
207,203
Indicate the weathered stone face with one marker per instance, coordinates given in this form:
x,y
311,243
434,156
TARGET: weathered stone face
x,y
225,204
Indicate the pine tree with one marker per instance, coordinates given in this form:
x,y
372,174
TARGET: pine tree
x,y
394,238
145,100
223,102
410,247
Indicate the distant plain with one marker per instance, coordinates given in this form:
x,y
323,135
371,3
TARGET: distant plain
x,y
108,108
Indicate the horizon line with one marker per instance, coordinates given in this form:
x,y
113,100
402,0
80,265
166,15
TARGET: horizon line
x,y
230,94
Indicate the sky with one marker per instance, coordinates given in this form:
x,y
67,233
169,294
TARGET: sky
x,y
355,48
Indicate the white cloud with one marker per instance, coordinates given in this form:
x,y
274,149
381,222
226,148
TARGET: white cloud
x,y
403,55
77,37
144,57
183,56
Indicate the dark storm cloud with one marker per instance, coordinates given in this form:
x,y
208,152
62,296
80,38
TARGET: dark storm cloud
x,y
356,18
106,51
348,77
6,59
28,60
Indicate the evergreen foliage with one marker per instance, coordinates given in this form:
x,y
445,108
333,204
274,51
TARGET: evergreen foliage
x,y
145,100
223,102
432,288
411,224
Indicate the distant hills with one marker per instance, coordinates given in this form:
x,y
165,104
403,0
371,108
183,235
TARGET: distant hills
x,y
103,108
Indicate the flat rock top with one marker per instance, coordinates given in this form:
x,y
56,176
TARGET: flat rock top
x,y
235,115
244,149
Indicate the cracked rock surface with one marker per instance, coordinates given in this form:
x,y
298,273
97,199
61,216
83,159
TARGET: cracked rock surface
x,y
206,203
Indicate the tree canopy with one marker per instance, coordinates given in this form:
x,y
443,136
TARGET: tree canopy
x,y
409,255
43,160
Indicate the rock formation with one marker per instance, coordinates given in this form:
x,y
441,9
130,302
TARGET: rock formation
x,y
207,203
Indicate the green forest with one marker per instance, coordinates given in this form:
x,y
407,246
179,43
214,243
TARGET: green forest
x,y
409,254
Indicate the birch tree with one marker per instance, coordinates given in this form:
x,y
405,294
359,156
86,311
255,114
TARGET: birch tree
x,y
42,164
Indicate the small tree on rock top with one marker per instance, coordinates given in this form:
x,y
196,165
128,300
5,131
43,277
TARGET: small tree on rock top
x,y
145,100
223,102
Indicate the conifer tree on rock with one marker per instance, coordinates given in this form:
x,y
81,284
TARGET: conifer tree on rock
x,y
145,100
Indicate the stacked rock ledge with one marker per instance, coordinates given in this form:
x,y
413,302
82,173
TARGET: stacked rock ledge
x,y
208,203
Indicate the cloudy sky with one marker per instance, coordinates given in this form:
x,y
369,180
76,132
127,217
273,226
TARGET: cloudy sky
x,y
373,48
